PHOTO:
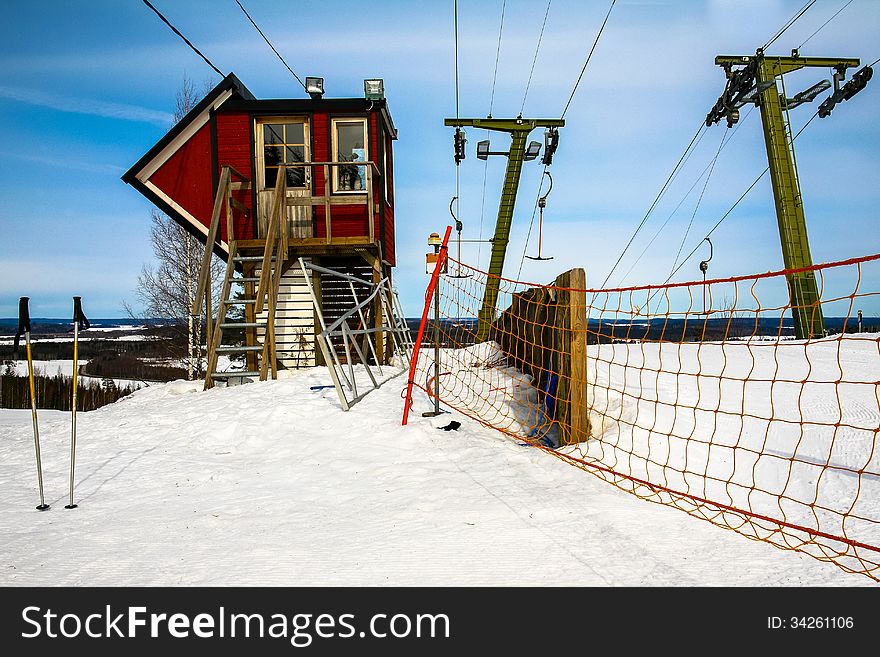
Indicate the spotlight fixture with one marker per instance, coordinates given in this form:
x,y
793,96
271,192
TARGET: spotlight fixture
x,y
315,87
532,150
374,89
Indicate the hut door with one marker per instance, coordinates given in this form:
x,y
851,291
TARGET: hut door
x,y
282,143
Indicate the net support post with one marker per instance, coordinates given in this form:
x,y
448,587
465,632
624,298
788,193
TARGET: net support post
x,y
571,357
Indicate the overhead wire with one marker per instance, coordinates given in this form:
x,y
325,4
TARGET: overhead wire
x,y
455,19
699,200
497,56
565,109
531,223
269,43
535,58
185,40
589,57
782,30
778,34
656,200
491,107
794,19
522,109
822,26
742,196
730,135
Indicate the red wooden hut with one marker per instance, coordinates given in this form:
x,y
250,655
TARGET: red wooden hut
x,y
334,158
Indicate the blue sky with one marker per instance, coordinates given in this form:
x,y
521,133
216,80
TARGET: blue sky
x,y
86,88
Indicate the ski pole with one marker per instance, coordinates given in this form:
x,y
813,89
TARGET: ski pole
x,y
24,327
79,318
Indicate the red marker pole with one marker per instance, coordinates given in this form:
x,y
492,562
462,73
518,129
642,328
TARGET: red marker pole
x,y
429,294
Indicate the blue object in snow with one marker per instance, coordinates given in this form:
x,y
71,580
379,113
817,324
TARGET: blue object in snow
x,y
547,413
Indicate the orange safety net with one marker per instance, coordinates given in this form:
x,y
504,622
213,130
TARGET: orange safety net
x,y
696,395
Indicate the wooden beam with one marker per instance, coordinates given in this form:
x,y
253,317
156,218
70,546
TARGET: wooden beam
x,y
377,316
271,236
372,229
359,198
319,343
250,316
205,269
571,357
327,183
209,320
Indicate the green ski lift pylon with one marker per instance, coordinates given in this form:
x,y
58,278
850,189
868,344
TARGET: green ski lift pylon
x,y
24,328
518,129
756,82
542,203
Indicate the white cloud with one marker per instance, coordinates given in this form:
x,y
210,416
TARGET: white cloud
x,y
75,165
86,106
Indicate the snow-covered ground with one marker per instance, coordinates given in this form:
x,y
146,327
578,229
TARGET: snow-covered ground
x,y
65,367
87,336
272,484
46,367
788,432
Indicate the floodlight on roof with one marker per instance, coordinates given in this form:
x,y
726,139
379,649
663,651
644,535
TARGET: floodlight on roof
x,y
374,89
315,87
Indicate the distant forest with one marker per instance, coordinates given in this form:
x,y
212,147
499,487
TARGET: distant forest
x,y
56,392
108,359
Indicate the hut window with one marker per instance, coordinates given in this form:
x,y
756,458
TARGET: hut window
x,y
283,144
350,145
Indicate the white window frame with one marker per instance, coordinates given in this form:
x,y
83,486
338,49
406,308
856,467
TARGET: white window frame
x,y
259,143
334,151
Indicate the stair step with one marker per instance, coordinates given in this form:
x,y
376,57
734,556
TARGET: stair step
x,y
242,325
250,258
232,375
249,279
231,302
238,350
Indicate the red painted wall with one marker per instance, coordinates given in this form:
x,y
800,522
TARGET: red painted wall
x,y
234,149
350,220
186,176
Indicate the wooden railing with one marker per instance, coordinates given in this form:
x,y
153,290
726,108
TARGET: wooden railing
x,y
224,194
329,198
270,274
275,246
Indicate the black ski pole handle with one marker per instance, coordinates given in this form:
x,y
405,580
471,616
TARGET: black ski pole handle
x,y
78,315
24,323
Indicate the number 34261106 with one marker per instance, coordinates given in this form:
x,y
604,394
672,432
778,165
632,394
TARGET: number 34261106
x,y
810,623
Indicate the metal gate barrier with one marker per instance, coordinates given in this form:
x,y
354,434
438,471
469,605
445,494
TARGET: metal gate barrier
x,y
358,344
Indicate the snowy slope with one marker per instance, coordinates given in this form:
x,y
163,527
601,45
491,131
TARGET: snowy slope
x,y
271,484
786,431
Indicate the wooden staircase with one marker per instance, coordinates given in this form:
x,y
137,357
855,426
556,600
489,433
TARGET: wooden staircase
x,y
261,263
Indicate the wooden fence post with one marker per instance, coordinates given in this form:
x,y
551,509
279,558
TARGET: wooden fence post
x,y
571,357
